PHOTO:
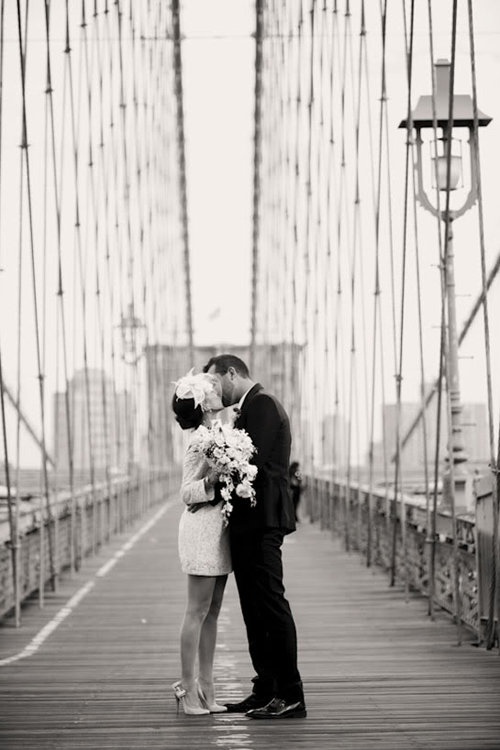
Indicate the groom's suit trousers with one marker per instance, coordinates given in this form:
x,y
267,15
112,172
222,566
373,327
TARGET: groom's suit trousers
x,y
271,632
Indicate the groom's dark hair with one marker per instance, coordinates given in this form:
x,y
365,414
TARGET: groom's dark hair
x,y
223,362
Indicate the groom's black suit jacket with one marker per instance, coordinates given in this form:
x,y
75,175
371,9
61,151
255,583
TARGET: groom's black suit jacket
x,y
265,420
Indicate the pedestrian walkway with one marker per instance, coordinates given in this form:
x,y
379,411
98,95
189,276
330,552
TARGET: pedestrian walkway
x,y
378,674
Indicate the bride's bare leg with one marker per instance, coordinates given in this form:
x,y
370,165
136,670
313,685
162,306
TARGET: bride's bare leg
x,y
200,598
208,639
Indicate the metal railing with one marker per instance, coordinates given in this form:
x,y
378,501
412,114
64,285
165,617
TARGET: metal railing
x,y
78,526
429,564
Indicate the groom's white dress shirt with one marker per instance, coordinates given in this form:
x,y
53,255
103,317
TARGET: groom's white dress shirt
x,y
240,402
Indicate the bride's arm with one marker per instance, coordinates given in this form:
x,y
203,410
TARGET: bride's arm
x,y
194,489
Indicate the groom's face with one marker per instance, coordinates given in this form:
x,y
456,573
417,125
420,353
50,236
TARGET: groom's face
x,y
228,386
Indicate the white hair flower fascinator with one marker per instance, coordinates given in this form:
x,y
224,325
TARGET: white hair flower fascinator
x,y
194,386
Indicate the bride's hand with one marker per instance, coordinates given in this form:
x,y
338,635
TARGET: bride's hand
x,y
211,479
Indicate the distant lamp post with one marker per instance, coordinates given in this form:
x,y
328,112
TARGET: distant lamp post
x,y
133,335
463,117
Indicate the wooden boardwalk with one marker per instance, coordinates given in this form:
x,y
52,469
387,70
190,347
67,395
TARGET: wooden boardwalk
x,y
377,673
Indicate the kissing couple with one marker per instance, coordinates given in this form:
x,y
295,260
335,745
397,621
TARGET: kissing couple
x,y
228,530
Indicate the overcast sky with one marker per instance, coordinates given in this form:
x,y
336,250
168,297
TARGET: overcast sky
x,y
218,62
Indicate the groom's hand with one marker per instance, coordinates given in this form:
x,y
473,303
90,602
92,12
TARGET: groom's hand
x,y
195,507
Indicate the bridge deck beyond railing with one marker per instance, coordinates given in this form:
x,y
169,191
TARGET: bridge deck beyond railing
x,y
378,673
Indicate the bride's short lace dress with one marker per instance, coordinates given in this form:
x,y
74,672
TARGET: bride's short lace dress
x,y
203,538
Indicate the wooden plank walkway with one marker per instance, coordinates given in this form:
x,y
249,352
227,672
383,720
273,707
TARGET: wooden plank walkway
x,y
378,674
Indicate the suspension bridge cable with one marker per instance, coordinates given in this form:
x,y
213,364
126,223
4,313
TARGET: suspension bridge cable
x,y
286,362
305,302
12,504
494,458
390,217
41,376
421,349
17,398
448,289
60,313
355,250
182,165
376,292
111,211
257,161
83,231
431,514
338,343
330,203
296,107
369,402
324,226
399,372
418,284
316,241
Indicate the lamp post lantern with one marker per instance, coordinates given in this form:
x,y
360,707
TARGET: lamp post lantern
x,y
448,152
133,333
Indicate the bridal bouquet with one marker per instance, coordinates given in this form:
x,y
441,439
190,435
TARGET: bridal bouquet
x,y
228,451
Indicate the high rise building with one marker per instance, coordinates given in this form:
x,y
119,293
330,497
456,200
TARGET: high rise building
x,y
475,432
100,423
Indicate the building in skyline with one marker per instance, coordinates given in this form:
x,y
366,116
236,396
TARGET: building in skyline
x,y
475,432
108,414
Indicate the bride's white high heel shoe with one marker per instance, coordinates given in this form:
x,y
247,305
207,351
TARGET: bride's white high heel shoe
x,y
180,694
213,708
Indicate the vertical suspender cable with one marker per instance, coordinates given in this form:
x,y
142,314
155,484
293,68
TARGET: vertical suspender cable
x,y
376,293
296,410
257,161
12,506
48,133
494,591
82,262
60,312
431,519
446,281
399,375
420,327
24,147
338,346
384,126
356,249
97,173
182,168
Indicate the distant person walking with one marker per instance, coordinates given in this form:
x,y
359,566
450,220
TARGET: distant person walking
x,y
295,486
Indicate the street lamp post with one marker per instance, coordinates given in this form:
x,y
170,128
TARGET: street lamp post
x,y
447,173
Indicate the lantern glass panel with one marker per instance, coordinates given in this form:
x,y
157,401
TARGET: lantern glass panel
x,y
439,172
439,165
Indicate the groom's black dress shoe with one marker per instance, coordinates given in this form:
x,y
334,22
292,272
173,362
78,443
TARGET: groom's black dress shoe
x,y
280,709
247,704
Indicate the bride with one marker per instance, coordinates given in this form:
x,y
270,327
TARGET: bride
x,y
203,546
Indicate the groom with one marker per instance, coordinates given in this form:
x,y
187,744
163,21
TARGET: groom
x,y
256,537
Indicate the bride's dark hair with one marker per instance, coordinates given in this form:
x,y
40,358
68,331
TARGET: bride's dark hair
x,y
186,413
